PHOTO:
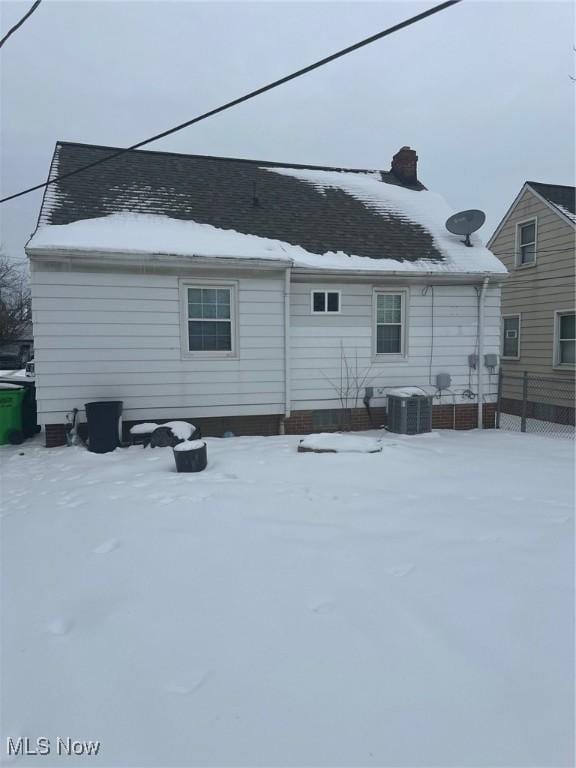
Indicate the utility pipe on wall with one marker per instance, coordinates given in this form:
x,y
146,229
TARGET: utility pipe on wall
x,y
287,280
481,353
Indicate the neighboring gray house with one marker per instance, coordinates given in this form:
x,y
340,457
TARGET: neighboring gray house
x,y
536,241
233,292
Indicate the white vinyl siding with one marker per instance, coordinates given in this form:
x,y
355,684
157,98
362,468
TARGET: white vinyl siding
x,y
119,336
317,343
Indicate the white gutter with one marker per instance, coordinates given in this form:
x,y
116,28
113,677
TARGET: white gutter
x,y
287,403
481,353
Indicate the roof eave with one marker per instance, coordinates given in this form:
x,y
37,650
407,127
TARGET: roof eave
x,y
108,258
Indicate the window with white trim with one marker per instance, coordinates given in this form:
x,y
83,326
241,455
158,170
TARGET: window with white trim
x,y
389,323
325,301
511,336
565,352
210,318
526,243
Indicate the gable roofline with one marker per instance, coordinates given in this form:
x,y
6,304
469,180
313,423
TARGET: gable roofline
x,y
528,185
247,161
550,203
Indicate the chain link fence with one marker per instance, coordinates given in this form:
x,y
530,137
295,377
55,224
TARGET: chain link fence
x,y
536,404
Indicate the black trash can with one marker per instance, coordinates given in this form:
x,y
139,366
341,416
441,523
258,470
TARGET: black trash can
x,y
104,427
190,456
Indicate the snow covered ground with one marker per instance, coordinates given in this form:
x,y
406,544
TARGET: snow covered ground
x,y
412,607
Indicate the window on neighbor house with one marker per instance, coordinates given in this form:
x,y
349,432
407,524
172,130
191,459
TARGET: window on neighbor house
x,y
511,336
210,318
526,243
565,352
325,301
389,323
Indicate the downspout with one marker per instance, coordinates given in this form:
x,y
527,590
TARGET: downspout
x,y
481,353
287,281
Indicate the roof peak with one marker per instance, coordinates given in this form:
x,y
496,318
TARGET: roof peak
x,y
547,184
249,161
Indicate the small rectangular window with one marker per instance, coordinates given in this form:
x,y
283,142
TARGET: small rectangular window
x,y
565,338
325,301
209,319
511,336
526,242
389,323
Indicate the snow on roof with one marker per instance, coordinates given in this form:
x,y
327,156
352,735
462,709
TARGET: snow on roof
x,y
420,207
129,233
567,212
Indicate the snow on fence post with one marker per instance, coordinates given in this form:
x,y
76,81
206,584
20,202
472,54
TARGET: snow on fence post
x,y
524,401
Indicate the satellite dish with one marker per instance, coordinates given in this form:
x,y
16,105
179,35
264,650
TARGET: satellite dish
x,y
464,223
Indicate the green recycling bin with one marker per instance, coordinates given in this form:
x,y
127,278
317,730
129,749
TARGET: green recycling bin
x,y
11,396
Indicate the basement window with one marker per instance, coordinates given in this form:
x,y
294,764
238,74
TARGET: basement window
x,y
326,419
324,302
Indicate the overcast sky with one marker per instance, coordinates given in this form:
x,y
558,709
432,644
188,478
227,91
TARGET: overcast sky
x,y
482,90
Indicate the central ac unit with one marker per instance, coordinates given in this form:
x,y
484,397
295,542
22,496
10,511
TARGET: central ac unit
x,y
409,415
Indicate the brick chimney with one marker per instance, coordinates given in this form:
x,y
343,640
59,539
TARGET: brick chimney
x,y
405,165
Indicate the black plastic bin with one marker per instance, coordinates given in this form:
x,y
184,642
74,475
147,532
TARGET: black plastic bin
x,y
104,427
192,459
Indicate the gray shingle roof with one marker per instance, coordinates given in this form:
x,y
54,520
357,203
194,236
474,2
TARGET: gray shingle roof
x,y
231,194
557,194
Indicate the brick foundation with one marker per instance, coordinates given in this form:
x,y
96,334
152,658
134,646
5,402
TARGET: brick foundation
x,y
302,422
462,416
215,426
55,435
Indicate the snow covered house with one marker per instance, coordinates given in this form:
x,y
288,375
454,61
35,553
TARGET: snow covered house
x,y
256,297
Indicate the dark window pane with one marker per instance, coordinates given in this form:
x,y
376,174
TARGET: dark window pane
x,y
388,339
209,311
511,323
333,302
568,326
568,352
527,233
195,295
195,310
510,346
527,254
223,303
389,308
209,336
319,301
511,329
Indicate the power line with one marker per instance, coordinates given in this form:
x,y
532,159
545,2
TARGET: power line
x,y
19,24
538,250
246,97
